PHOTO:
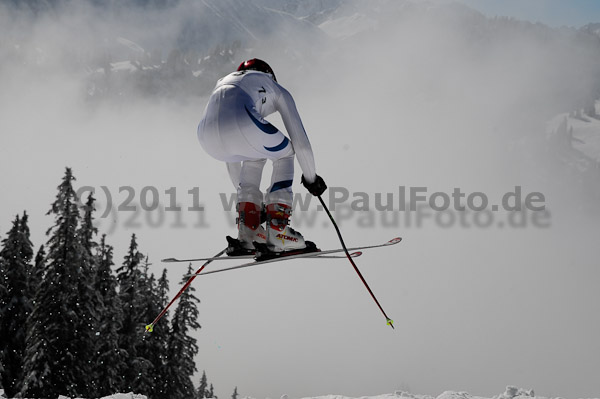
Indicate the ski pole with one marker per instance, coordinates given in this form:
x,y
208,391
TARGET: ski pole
x,y
150,327
390,322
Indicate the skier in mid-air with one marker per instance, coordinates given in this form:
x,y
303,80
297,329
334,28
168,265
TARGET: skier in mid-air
x,y
234,130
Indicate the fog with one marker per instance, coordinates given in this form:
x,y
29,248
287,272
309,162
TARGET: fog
x,y
426,95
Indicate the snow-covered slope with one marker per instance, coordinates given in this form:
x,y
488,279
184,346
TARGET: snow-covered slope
x,y
352,18
578,134
586,136
214,22
511,392
593,28
306,9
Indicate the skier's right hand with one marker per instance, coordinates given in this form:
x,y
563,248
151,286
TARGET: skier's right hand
x,y
317,187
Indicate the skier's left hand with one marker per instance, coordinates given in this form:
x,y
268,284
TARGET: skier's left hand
x,y
317,187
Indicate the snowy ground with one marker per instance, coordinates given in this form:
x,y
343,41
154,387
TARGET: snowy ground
x,y
115,396
584,133
510,393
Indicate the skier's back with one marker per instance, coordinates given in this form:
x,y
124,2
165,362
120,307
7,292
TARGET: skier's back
x,y
234,130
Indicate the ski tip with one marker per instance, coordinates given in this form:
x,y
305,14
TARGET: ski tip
x,y
356,254
394,241
167,260
390,323
150,328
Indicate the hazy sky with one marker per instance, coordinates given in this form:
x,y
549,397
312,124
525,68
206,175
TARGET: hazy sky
x,y
417,105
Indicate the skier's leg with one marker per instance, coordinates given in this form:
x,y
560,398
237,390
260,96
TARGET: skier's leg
x,y
279,200
249,205
250,177
235,170
282,178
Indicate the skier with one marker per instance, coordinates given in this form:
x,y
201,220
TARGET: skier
x,y
234,130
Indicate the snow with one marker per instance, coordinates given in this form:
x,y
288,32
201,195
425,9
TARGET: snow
x,y
348,25
587,137
511,392
129,395
116,396
123,66
585,134
384,396
130,45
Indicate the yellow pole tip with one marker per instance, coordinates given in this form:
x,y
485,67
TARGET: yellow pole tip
x,y
149,328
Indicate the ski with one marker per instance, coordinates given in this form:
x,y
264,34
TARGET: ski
x,y
318,254
177,260
310,255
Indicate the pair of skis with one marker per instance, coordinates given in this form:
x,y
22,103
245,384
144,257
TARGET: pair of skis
x,y
327,254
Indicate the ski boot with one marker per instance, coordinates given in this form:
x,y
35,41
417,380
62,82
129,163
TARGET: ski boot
x,y
281,240
249,230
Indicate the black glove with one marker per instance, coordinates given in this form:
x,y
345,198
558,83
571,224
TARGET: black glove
x,y
317,187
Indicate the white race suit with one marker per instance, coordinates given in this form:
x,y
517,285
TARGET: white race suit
x,y
234,130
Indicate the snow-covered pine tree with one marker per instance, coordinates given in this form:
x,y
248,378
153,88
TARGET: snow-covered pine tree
x,y
182,346
57,353
88,231
160,338
36,273
110,358
235,394
90,297
15,303
211,392
131,291
148,347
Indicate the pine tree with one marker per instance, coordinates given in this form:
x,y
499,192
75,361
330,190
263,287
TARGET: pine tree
x,y
89,297
182,346
211,392
149,347
88,231
110,359
36,273
15,303
131,291
160,336
202,390
152,348
235,394
58,351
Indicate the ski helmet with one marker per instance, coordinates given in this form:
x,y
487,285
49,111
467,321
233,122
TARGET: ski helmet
x,y
256,65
